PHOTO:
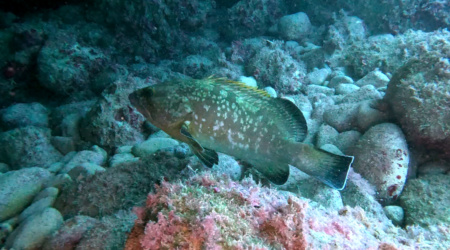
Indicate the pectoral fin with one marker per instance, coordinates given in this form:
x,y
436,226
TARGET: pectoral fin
x,y
209,157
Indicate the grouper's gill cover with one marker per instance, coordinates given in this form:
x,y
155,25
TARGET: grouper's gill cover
x,y
220,115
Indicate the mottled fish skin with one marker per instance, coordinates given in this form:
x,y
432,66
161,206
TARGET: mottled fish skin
x,y
227,117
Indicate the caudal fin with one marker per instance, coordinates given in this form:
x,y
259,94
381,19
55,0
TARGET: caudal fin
x,y
334,169
329,168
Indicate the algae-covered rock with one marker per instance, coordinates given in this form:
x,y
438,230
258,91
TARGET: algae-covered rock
x,y
419,97
25,114
425,200
27,147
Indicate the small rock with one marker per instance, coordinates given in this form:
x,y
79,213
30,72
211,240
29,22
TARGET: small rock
x,y
339,79
37,207
356,28
367,92
342,116
70,233
346,140
229,166
434,167
159,134
326,135
395,214
331,148
346,88
316,89
124,158
4,167
123,150
318,77
68,157
294,27
84,170
249,81
425,200
382,157
85,156
150,146
32,233
100,150
63,144
25,114
18,188
59,181
271,91
368,116
375,78
47,192
55,167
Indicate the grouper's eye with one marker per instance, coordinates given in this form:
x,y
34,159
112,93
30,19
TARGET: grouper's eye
x,y
148,92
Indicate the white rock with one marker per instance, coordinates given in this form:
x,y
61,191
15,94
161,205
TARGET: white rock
x,y
119,159
63,144
368,116
123,149
295,26
33,232
85,169
342,116
47,192
375,78
85,156
152,145
395,214
318,77
37,207
313,89
229,166
18,188
382,157
339,79
346,88
271,92
249,81
326,135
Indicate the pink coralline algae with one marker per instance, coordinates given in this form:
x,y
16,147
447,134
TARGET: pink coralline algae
x,y
210,212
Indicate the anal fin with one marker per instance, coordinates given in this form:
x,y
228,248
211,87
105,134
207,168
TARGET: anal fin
x,y
276,173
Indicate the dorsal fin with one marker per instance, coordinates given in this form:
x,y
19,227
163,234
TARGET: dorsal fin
x,y
295,121
239,86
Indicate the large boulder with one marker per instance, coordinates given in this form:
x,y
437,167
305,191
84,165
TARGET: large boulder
x,y
27,147
418,96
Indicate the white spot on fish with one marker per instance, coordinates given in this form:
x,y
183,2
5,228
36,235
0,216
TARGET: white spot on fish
x,y
206,107
223,93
